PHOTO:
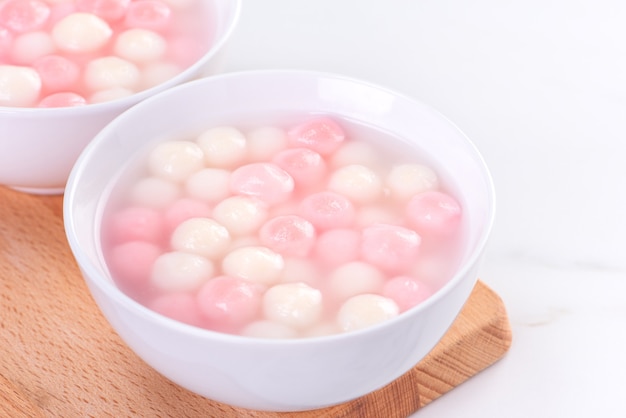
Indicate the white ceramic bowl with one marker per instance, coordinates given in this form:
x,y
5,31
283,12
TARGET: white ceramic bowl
x,y
277,375
39,146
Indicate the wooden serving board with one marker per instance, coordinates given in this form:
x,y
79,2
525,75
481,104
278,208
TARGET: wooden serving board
x,y
60,358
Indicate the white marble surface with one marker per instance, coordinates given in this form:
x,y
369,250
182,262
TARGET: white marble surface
x,y
540,87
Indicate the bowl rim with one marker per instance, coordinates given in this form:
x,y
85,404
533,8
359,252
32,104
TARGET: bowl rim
x,y
99,278
141,95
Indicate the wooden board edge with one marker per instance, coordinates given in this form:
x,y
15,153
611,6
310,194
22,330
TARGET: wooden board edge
x,y
479,338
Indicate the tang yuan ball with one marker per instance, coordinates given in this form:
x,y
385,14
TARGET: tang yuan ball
x,y
136,223
321,134
6,40
81,32
109,72
323,329
57,73
264,142
362,311
433,212
22,16
228,301
289,207
155,73
338,246
182,209
140,45
109,10
63,99
302,270
265,181
406,180
209,184
406,291
175,160
148,14
378,214
60,9
178,271
29,47
180,306
241,215
131,263
19,86
327,210
356,182
389,247
203,236
257,264
305,166
154,192
355,278
288,235
294,304
223,146
269,329
355,152
244,241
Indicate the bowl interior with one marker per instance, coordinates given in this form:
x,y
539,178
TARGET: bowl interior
x,y
225,98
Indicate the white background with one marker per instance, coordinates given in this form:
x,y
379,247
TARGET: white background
x,y
540,88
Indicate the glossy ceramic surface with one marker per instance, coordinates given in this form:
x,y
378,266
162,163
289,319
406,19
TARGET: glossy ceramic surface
x,y
38,147
277,375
